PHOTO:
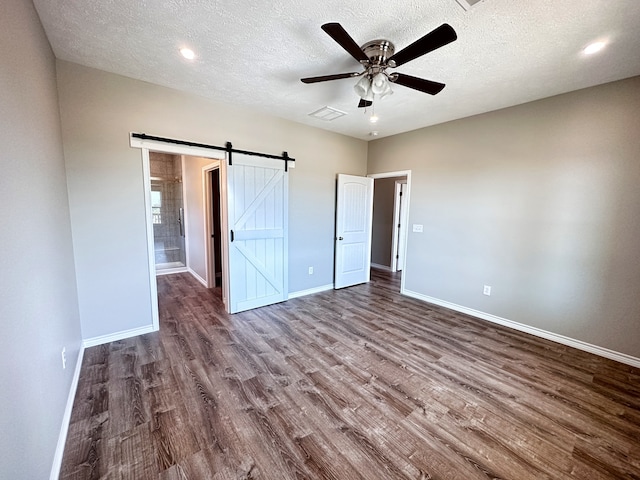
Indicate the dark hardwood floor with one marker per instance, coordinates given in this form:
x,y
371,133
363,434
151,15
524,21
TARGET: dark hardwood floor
x,y
359,383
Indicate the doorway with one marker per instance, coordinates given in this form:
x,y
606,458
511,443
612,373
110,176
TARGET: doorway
x,y
167,207
253,206
213,224
390,222
147,147
385,225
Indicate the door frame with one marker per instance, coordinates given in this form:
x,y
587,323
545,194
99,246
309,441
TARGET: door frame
x,y
399,217
206,198
145,145
403,246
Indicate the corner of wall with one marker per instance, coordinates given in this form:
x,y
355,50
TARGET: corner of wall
x,y
66,418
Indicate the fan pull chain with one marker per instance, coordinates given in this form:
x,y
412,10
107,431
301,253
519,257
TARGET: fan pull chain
x,y
373,118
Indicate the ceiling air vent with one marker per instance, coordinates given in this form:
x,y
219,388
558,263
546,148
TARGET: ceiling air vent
x,y
467,4
328,114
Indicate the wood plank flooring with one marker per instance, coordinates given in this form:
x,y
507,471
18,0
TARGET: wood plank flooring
x,y
359,383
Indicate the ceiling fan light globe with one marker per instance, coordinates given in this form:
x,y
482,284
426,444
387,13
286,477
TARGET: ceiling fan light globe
x,y
369,96
379,84
363,87
386,93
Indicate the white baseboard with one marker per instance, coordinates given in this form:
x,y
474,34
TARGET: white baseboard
x,y
571,342
66,419
381,267
113,337
170,271
302,293
197,277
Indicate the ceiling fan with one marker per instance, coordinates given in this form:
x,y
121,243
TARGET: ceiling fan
x,y
377,56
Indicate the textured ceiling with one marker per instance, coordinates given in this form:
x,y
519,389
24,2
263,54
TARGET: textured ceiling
x,y
254,53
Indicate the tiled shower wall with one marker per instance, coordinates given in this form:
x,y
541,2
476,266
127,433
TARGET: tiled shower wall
x,y
166,175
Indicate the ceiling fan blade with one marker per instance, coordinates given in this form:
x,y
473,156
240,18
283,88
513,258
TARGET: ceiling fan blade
x,y
420,84
439,37
325,78
341,36
364,103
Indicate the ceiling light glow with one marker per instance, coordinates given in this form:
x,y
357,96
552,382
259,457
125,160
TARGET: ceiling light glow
x,y
373,118
187,53
594,48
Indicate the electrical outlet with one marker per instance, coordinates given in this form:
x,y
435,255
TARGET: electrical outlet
x,y
64,358
487,290
417,228
310,270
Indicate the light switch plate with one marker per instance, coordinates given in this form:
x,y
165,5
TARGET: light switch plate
x,y
418,228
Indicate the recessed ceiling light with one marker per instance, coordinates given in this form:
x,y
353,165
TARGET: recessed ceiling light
x,y
594,48
373,118
187,53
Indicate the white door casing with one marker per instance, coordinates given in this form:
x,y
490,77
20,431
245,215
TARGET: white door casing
x,y
399,225
257,229
208,223
354,212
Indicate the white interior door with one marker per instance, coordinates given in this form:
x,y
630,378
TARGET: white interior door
x,y
354,211
257,193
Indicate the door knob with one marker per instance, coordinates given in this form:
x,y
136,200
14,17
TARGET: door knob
x,y
340,238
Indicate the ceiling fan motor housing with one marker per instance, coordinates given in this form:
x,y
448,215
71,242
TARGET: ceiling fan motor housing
x,y
378,51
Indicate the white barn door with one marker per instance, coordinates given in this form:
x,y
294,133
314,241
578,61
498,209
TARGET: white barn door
x,y
257,195
354,211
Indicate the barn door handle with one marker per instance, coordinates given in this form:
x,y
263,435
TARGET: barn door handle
x,y
232,235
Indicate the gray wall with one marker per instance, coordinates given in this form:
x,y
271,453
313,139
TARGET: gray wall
x,y
98,111
38,305
540,201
